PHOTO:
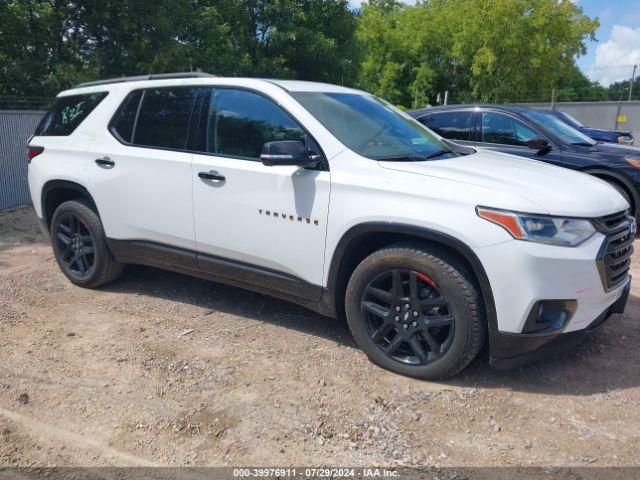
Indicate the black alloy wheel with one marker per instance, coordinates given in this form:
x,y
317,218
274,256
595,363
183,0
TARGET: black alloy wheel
x,y
75,245
80,245
414,309
408,318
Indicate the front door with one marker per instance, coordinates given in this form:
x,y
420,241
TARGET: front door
x,y
505,133
252,222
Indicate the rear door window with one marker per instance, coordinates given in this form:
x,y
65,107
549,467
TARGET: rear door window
x,y
67,113
451,125
164,116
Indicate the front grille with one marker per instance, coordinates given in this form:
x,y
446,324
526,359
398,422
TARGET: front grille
x,y
613,222
614,257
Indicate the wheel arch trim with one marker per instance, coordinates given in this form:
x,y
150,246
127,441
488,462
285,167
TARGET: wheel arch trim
x,y
461,248
51,185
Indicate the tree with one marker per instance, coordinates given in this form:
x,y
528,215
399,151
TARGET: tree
x,y
40,42
305,39
484,50
620,90
576,87
49,45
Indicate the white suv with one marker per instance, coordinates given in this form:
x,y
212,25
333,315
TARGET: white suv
x,y
333,199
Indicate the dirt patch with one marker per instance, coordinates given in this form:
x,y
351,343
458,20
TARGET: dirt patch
x,y
17,226
163,369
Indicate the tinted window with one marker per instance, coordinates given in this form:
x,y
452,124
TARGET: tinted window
x,y
506,130
241,122
67,113
371,127
569,120
560,129
453,125
164,117
124,120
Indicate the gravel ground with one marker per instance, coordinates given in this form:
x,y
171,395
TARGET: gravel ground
x,y
162,369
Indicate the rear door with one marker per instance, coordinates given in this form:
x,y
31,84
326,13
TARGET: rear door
x,y
456,125
141,175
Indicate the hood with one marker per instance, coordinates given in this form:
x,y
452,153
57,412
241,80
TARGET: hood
x,y
607,153
549,189
601,131
615,149
610,153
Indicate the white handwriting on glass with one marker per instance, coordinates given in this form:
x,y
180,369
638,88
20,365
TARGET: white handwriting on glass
x,y
69,114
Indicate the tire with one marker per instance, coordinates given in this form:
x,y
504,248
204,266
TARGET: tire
x,y
439,277
77,233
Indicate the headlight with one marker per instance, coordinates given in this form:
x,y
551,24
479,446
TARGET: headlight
x,y
564,232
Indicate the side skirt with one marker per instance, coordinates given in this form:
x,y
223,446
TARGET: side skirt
x,y
227,271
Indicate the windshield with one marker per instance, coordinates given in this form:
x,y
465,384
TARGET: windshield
x,y
371,127
558,128
570,120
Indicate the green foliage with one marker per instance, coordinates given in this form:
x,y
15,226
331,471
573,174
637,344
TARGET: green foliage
x,y
484,50
620,90
49,45
576,87
478,50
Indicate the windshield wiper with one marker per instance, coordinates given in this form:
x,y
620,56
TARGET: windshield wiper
x,y
583,144
402,158
438,153
415,158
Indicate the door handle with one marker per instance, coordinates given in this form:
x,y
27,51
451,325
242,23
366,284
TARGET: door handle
x,y
105,162
212,175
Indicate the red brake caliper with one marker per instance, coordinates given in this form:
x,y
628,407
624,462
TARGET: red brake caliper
x,y
426,279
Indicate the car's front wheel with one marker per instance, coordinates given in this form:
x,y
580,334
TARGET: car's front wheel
x,y
627,196
80,247
416,311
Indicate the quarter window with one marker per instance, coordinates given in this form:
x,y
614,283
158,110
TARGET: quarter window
x,y
452,125
505,130
241,122
67,113
163,120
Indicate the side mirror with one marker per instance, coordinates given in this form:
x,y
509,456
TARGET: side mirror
x,y
288,152
539,144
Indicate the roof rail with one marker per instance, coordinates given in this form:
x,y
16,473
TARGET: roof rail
x,y
140,78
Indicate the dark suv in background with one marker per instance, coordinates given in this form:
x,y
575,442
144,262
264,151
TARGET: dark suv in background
x,y
599,135
540,136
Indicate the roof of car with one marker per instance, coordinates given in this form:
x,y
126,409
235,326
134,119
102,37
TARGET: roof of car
x,y
305,86
201,78
447,108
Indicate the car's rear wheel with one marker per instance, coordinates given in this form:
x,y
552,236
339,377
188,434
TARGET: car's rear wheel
x,y
79,245
416,311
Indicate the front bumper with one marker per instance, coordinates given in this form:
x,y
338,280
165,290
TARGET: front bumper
x,y
509,350
522,274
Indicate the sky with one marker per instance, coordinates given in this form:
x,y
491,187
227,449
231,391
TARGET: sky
x,y
617,49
